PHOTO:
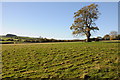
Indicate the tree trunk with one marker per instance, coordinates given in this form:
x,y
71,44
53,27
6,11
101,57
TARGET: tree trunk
x,y
88,37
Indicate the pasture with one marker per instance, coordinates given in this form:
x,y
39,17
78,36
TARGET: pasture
x,y
61,60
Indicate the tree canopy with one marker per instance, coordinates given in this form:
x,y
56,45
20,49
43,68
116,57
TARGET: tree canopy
x,y
84,20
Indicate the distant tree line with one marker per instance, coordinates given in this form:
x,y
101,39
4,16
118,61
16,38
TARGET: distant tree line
x,y
41,40
36,40
18,39
113,35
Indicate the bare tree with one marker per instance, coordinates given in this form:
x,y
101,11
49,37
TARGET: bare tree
x,y
113,35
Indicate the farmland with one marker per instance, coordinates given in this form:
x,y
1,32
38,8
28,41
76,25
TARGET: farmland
x,y
61,60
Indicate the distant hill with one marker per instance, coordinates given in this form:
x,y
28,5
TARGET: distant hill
x,y
11,35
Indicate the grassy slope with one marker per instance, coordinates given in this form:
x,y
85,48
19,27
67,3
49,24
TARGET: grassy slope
x,y
63,60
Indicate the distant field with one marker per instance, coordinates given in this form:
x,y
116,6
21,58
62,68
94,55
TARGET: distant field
x,y
61,60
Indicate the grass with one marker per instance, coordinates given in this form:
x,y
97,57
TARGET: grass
x,y
61,60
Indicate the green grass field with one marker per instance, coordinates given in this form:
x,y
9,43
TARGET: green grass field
x,y
61,60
